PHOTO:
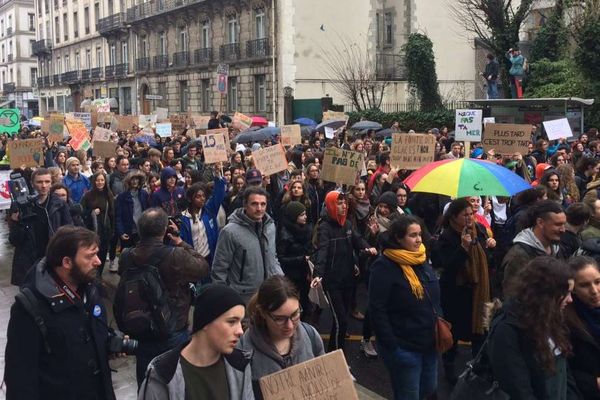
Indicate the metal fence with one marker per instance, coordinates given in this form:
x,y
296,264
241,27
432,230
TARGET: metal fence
x,y
416,106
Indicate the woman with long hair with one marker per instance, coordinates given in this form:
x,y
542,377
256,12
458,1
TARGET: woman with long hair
x,y
529,339
60,161
568,186
583,319
551,180
99,213
359,208
110,165
404,300
314,189
276,335
297,192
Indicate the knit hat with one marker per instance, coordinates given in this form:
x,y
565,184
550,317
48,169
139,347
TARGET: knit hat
x,y
477,153
294,209
256,146
70,160
389,199
213,301
253,176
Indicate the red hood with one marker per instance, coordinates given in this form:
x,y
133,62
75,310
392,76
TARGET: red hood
x,y
331,206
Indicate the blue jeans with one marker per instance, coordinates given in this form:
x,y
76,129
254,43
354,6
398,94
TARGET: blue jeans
x,y
413,374
148,349
492,89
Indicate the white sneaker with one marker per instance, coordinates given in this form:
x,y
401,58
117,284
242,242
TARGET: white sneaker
x,y
367,348
113,266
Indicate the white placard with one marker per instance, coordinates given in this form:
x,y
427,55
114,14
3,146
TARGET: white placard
x,y
163,129
489,120
329,132
468,125
558,128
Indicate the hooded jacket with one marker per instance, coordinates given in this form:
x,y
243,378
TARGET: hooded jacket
x,y
165,199
245,255
78,186
165,381
124,223
526,246
540,169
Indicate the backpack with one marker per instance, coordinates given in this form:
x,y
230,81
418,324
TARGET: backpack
x,y
141,307
30,303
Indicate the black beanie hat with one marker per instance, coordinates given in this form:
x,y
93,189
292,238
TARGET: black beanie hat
x,y
212,302
390,199
293,210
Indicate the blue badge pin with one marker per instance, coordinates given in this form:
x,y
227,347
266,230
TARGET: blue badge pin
x,y
97,310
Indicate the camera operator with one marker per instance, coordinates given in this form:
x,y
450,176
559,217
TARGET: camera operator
x,y
58,340
178,265
31,225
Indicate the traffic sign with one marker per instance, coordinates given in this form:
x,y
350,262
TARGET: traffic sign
x,y
222,84
154,97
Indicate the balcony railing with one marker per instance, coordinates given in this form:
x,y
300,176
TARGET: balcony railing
x,y
96,73
47,81
85,75
9,58
111,24
142,64
181,59
43,46
161,62
258,48
9,31
40,82
203,56
70,77
229,52
8,87
56,79
121,70
390,67
155,7
109,71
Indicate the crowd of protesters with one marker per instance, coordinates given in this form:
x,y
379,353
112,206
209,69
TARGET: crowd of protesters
x,y
421,256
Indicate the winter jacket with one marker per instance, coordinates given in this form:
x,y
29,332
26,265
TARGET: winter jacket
x,y
29,247
517,62
526,246
492,69
399,318
165,381
293,245
208,215
170,201
77,335
115,182
245,255
307,344
124,222
77,186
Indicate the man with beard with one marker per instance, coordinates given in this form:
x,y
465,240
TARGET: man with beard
x,y
546,224
57,346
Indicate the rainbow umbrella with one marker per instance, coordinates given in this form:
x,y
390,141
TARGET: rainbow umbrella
x,y
466,177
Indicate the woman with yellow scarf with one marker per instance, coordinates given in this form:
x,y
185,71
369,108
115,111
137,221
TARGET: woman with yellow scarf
x,y
404,300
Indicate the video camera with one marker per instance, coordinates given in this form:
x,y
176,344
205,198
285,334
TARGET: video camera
x,y
20,195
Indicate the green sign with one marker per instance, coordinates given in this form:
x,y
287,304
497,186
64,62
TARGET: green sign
x,y
10,120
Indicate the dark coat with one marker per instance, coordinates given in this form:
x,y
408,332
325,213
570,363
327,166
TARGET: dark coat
x,y
293,245
585,362
22,235
124,211
77,367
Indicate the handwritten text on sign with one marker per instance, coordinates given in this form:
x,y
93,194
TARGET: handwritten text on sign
x,y
290,135
340,166
270,160
468,125
213,146
412,151
506,139
25,153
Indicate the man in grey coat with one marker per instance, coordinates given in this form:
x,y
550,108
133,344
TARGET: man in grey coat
x,y
245,254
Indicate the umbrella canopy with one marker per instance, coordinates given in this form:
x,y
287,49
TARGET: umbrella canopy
x,y
305,122
259,121
34,122
305,131
366,125
332,123
258,135
466,177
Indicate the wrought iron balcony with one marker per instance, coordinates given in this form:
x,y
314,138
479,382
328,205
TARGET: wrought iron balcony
x,y
109,71
121,70
70,77
142,64
85,75
229,52
258,48
9,58
96,73
56,79
390,67
8,87
161,62
181,59
9,31
47,81
40,47
155,7
40,82
111,25
203,56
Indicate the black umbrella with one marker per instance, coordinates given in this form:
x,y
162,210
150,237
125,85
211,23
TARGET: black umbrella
x,y
332,123
257,135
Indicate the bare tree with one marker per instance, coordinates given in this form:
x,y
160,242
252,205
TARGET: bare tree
x,y
353,74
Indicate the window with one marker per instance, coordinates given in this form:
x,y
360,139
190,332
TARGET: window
x,y
110,7
31,22
205,35
86,20
183,39
65,27
88,58
2,27
9,26
112,55
183,96
206,95
260,93
31,43
124,53
39,3
259,20
33,76
10,48
75,25
162,43
46,6
3,54
10,74
388,33
162,91
67,66
232,99
77,61
96,13
143,47
232,29
99,57
58,65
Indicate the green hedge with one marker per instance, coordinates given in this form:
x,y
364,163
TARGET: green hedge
x,y
416,120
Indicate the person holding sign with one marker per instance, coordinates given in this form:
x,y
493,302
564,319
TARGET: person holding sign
x,y
276,336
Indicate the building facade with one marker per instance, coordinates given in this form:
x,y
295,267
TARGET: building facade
x,y
18,66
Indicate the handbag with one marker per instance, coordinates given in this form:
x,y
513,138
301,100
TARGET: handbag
x,y
444,340
316,294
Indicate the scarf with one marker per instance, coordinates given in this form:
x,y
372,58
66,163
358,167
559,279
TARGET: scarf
x,y
406,260
362,207
590,316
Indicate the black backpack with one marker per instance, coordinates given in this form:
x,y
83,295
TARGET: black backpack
x,y
141,307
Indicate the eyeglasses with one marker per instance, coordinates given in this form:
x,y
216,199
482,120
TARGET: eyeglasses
x,y
281,320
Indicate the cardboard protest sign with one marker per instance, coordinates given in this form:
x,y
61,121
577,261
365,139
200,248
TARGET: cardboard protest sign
x,y
270,160
106,117
80,139
102,105
56,128
241,121
411,151
341,166
468,125
506,139
213,146
200,121
324,377
329,132
146,120
5,200
489,120
558,128
163,129
10,120
104,149
45,126
101,134
86,117
162,114
25,153
290,135
125,122
331,115
178,122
